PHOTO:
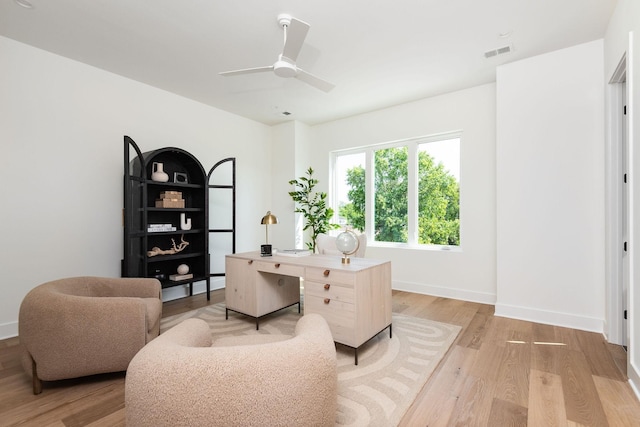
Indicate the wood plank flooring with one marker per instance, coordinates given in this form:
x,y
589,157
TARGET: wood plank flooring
x,y
499,372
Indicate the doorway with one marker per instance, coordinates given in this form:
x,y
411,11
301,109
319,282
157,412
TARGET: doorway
x,y
618,209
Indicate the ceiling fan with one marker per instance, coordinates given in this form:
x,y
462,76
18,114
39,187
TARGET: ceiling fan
x,y
295,32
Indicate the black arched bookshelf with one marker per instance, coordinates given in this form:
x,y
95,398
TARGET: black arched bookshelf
x,y
166,215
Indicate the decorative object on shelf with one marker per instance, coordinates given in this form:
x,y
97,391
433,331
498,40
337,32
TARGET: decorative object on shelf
x,y
178,277
183,269
269,218
158,174
183,273
180,178
313,205
170,199
347,242
174,250
185,223
158,228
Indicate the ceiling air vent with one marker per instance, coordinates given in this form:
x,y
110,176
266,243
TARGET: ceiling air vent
x,y
498,51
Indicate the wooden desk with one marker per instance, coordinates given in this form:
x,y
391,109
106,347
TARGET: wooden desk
x,y
354,298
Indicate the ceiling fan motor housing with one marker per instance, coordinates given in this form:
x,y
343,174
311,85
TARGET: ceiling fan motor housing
x,y
283,68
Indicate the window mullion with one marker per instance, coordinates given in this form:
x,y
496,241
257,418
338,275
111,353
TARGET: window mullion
x,y
369,190
412,194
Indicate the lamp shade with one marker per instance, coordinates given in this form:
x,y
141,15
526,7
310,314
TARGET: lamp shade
x,y
269,218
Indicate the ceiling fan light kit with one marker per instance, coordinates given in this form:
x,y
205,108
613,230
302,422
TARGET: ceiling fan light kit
x,y
295,31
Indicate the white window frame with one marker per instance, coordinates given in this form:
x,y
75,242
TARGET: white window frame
x,y
412,145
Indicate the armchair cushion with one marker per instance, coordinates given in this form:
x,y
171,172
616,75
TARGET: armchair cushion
x,y
179,379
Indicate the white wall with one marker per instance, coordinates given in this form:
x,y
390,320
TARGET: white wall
x,y
550,188
61,143
623,37
290,159
282,235
467,274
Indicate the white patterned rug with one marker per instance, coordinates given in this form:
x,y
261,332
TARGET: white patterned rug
x,y
390,372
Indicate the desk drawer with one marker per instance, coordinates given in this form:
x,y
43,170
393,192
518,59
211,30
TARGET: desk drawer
x,y
278,268
340,316
331,291
329,275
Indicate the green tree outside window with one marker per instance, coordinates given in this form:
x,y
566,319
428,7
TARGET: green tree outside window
x,y
438,199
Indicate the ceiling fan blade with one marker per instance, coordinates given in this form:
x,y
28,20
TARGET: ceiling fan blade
x,y
314,81
296,32
247,71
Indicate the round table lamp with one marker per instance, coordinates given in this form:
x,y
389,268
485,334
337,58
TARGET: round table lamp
x,y
347,242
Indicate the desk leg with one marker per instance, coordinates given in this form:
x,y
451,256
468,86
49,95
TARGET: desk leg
x,y
298,307
355,349
226,314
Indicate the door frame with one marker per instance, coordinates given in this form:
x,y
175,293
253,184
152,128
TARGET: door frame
x,y
616,330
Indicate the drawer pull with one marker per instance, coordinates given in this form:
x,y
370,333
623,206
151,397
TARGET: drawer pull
x,y
327,300
327,286
278,265
250,262
326,273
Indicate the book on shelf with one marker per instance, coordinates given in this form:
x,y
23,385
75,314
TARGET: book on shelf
x,y
294,252
178,277
157,228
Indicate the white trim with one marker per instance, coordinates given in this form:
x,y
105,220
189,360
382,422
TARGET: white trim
x,y
634,379
613,201
8,330
445,292
390,144
633,287
547,317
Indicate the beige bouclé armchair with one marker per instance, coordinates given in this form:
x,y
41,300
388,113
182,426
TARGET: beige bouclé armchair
x,y
82,326
180,379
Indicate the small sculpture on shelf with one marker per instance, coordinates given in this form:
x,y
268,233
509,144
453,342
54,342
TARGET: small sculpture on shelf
x,y
183,269
185,223
174,250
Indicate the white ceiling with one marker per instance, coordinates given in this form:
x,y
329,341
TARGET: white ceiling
x,y
378,53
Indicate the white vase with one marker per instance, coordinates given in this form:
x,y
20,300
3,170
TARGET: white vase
x,y
158,173
185,224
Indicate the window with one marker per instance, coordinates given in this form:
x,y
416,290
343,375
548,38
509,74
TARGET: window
x,y
410,196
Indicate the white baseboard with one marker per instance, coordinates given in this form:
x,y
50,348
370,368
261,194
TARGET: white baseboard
x,y
10,329
634,379
546,317
440,291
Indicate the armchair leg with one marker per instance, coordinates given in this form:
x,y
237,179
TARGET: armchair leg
x,y
37,384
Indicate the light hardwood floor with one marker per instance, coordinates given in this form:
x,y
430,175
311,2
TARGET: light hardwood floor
x,y
499,372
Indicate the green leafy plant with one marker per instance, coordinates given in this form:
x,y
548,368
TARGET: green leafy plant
x,y
313,205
